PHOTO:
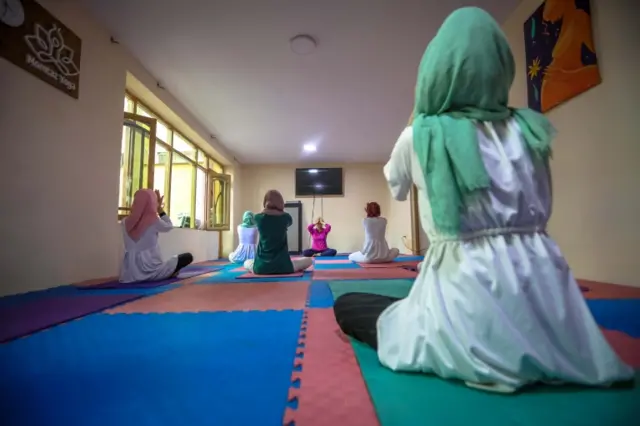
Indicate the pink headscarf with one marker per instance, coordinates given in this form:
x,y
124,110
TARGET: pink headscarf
x,y
144,213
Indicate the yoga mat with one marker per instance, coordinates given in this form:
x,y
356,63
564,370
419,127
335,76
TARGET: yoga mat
x,y
331,391
249,275
183,275
392,288
409,263
273,296
330,261
362,273
130,370
115,284
22,319
320,295
346,265
409,399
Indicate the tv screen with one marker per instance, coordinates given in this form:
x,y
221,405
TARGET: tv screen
x,y
319,182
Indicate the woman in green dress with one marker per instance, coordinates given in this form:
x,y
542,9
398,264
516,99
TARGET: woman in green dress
x,y
272,257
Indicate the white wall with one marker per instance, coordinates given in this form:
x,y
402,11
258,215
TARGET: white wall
x,y
362,183
596,162
59,166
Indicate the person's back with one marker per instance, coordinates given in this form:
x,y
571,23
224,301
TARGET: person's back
x,y
375,244
142,258
375,248
494,304
272,256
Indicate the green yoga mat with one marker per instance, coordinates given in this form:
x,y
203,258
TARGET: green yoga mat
x,y
421,400
393,288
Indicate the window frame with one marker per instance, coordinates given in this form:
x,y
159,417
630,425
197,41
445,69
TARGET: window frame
x,y
207,167
151,122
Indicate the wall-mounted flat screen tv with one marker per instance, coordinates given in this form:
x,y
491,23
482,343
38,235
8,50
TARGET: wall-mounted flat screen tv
x,y
319,182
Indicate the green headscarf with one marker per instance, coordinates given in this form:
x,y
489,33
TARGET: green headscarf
x,y
247,220
465,75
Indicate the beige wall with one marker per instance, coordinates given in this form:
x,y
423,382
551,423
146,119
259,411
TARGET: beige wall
x,y
362,183
596,163
59,165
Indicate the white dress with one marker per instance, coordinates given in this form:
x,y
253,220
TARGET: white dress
x,y
498,305
376,249
247,245
142,258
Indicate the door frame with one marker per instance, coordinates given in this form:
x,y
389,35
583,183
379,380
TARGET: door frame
x,y
298,205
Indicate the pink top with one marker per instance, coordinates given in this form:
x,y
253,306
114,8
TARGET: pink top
x,y
319,238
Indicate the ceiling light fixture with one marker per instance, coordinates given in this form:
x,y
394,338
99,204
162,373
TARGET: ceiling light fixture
x,y
309,148
303,44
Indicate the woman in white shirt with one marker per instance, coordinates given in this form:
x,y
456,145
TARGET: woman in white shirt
x,y
376,249
247,238
495,303
142,258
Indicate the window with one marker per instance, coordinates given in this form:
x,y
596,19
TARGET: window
x,y
196,190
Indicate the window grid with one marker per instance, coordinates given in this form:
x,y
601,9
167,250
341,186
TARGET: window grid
x,y
216,182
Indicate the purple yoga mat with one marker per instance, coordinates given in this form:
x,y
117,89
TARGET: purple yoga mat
x,y
112,285
26,318
184,274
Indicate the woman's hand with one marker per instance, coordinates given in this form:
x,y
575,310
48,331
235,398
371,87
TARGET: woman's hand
x,y
160,201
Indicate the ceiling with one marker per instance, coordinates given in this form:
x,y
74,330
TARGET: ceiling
x,y
229,62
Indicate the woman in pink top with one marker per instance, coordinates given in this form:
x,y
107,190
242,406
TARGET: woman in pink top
x,y
319,232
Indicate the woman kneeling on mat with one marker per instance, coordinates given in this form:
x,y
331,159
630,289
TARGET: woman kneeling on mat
x,y
247,235
376,249
319,232
142,258
272,256
495,304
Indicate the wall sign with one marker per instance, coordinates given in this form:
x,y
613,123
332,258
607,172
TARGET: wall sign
x,y
33,39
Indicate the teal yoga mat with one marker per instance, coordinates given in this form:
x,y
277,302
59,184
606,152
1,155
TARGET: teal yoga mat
x,y
393,288
417,399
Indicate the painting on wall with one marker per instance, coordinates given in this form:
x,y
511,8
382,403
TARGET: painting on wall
x,y
561,57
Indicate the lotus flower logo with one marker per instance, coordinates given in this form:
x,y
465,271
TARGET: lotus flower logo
x,y
49,48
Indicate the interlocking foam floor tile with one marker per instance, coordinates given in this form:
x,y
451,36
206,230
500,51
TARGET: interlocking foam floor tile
x,y
362,273
621,315
320,295
239,297
627,348
160,369
598,290
331,389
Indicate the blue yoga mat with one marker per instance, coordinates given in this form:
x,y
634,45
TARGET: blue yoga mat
x,y
223,368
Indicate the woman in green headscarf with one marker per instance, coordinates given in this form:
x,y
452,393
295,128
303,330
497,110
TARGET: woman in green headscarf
x,y
495,303
247,237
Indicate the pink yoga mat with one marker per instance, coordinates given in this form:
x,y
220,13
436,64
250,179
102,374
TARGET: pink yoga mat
x,y
29,317
396,264
362,274
249,275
